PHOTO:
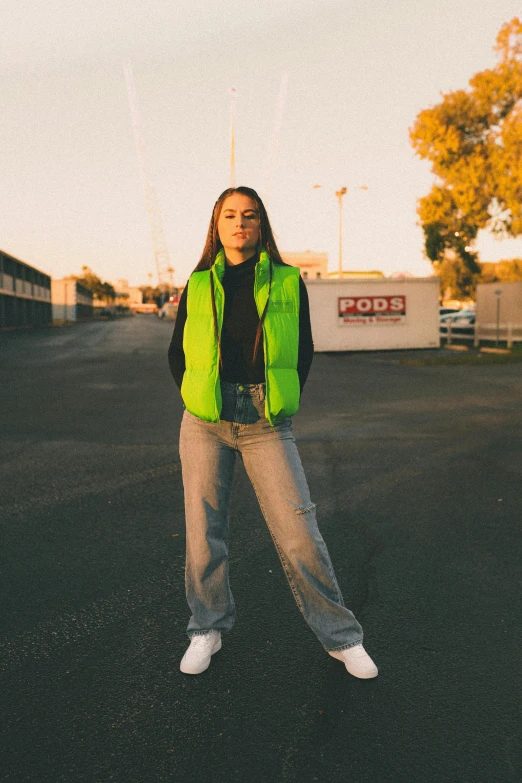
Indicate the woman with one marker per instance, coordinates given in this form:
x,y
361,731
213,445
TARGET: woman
x,y
240,353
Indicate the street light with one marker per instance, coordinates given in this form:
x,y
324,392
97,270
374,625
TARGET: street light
x,y
340,193
498,294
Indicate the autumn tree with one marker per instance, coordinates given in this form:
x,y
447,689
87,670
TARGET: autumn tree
x,y
506,271
108,292
151,294
159,294
93,283
473,140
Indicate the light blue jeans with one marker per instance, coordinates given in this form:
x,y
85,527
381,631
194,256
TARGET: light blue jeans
x,y
208,453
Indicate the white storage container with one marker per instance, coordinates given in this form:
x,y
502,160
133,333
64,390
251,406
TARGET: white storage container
x,y
374,314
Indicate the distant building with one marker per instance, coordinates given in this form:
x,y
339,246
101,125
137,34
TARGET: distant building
x,y
350,274
135,295
72,301
25,293
312,265
499,306
121,285
127,295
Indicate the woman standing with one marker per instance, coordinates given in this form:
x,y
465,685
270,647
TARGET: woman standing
x,y
240,353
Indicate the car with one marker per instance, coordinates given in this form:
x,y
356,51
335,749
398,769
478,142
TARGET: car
x,y
448,310
107,312
468,312
463,319
169,311
145,307
462,323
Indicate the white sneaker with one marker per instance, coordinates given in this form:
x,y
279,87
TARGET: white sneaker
x,y
357,662
199,652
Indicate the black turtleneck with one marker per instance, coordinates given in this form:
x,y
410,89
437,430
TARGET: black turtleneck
x,y
240,320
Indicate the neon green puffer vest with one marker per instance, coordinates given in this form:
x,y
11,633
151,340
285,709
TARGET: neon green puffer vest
x,y
201,389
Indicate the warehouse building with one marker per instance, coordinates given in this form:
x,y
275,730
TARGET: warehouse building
x,y
25,294
72,301
313,266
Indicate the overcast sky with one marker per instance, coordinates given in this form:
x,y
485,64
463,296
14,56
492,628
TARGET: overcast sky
x,y
359,71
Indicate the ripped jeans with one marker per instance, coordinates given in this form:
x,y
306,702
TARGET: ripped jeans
x,y
208,454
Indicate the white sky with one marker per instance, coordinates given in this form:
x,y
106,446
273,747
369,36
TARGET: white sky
x,y
359,72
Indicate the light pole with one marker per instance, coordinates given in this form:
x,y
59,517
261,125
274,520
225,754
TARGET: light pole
x,y
340,193
233,94
498,294
170,272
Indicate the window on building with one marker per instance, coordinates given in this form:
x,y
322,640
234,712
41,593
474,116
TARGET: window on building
x,y
318,274
305,275
9,266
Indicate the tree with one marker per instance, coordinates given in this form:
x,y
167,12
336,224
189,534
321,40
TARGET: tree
x,y
151,294
92,282
108,292
159,294
473,139
457,281
502,271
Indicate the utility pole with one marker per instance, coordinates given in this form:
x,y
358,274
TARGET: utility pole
x,y
159,243
340,193
233,137
275,135
498,294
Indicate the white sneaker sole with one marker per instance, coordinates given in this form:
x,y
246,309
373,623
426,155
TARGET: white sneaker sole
x,y
360,675
183,666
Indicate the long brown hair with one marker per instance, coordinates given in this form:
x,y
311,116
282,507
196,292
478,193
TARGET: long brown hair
x,y
213,245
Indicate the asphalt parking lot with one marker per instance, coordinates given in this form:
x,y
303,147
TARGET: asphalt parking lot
x,y
416,472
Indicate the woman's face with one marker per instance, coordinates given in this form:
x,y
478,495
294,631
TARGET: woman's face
x,y
238,224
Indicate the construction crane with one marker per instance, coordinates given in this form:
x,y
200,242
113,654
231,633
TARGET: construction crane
x,y
233,98
275,134
159,243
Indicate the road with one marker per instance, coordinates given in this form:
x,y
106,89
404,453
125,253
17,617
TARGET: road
x,y
416,472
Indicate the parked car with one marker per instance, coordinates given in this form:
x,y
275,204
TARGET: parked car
x,y
467,313
107,312
448,310
168,311
145,307
462,323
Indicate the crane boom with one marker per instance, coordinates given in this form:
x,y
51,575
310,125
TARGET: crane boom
x,y
233,93
159,243
275,135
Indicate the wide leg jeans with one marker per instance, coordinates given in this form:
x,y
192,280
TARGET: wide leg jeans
x,y
208,453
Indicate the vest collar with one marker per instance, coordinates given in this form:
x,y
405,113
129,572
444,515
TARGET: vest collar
x,y
264,260
262,266
218,267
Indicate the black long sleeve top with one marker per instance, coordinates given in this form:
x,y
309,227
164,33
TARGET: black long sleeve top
x,y
240,321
